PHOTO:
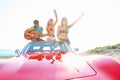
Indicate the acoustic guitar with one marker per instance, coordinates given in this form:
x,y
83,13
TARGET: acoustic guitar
x,y
31,35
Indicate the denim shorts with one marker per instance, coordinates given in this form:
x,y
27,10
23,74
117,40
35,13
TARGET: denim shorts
x,y
66,41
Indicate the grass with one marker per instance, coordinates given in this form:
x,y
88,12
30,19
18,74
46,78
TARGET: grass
x,y
111,50
104,48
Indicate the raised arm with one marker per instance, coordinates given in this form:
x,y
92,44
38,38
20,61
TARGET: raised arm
x,y
76,20
56,17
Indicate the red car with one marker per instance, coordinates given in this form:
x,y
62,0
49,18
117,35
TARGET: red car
x,y
56,61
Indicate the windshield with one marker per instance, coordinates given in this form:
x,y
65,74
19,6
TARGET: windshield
x,y
45,46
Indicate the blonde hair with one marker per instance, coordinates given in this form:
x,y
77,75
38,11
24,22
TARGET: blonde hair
x,y
48,23
66,25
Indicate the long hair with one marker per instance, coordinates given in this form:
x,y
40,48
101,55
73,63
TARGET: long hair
x,y
49,24
66,25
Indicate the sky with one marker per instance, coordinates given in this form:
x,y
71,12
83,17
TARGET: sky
x,y
98,27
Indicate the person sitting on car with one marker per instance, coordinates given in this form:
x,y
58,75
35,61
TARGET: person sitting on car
x,y
63,29
50,28
34,33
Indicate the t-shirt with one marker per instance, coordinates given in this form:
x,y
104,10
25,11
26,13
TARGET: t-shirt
x,y
39,30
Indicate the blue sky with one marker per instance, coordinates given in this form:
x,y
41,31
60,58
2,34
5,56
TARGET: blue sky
x,y
98,27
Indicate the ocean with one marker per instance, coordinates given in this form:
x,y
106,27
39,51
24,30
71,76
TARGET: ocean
x,y
7,52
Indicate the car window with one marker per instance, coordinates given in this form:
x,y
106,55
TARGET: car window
x,y
36,48
46,48
57,48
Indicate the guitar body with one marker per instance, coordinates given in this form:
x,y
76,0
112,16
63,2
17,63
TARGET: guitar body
x,y
32,35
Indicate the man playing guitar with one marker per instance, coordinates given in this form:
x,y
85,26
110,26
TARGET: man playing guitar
x,y
34,33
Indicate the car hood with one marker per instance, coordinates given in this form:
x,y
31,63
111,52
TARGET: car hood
x,y
70,67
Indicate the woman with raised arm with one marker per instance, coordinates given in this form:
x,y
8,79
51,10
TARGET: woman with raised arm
x,y
63,29
51,28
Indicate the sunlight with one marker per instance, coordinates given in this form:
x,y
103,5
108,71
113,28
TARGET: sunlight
x,y
15,62
98,27
73,61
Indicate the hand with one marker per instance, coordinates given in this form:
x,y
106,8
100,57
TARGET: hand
x,y
32,35
36,37
55,11
81,15
44,35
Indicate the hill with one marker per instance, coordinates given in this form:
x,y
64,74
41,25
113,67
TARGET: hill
x,y
109,50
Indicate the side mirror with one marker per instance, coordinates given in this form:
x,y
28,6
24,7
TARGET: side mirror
x,y
17,51
75,50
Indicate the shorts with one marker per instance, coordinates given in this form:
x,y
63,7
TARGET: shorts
x,y
66,41
51,38
35,40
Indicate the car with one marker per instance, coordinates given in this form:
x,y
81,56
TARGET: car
x,y
56,61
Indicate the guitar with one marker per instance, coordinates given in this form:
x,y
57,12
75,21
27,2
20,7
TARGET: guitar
x,y
31,35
